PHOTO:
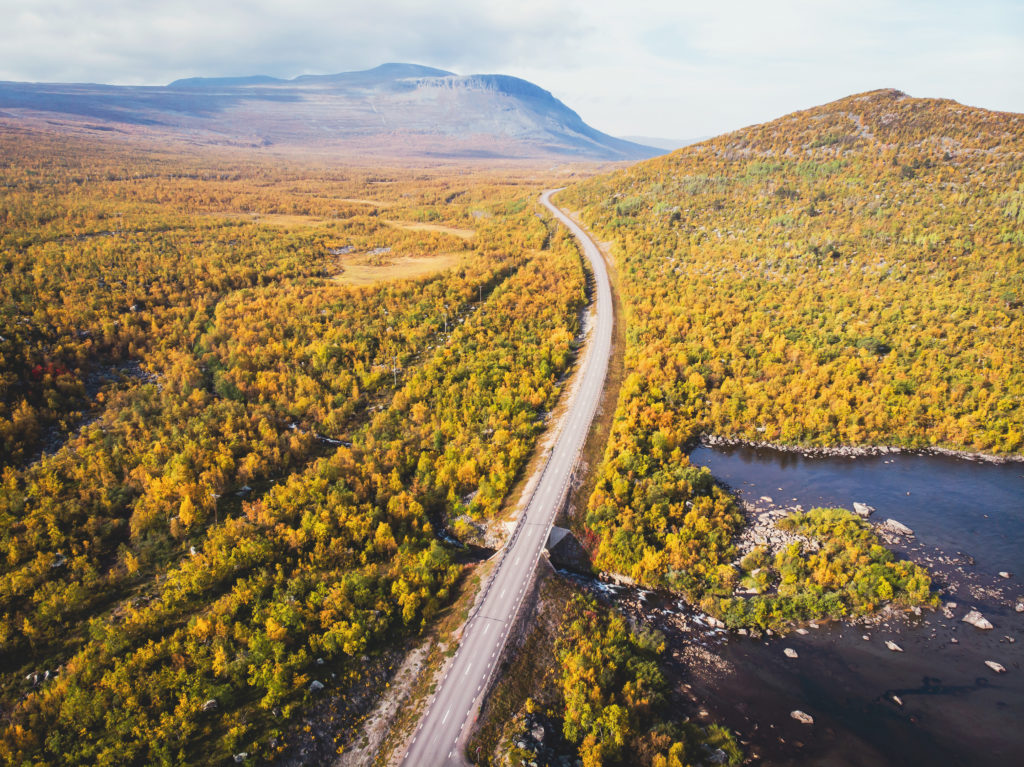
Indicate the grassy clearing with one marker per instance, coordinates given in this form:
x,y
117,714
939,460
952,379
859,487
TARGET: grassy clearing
x,y
465,234
361,201
369,270
276,220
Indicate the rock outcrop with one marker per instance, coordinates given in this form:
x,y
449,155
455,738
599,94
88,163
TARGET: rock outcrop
x,y
862,509
897,527
802,717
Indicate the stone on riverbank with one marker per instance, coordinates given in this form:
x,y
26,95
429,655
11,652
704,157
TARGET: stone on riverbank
x,y
893,646
999,668
897,527
977,620
790,653
862,509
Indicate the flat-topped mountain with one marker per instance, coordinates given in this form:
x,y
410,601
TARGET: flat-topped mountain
x,y
403,109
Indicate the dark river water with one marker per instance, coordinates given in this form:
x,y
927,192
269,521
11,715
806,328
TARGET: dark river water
x,y
968,520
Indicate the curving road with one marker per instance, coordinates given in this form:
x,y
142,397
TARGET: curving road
x,y
440,737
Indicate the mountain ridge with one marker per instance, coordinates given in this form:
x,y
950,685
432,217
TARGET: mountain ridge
x,y
405,109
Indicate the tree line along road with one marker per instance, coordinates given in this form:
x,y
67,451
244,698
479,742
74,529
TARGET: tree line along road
x,y
441,736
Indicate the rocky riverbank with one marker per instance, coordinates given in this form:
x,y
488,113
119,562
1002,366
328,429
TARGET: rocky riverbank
x,y
951,691
854,451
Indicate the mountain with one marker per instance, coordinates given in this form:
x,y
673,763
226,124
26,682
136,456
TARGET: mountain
x,y
400,109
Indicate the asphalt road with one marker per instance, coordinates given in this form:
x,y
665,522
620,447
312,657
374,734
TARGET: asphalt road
x,y
442,732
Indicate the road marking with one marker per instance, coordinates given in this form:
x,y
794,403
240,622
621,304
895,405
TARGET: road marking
x,y
446,715
467,669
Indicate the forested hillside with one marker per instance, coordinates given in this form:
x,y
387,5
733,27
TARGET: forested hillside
x,y
851,274
225,471
848,275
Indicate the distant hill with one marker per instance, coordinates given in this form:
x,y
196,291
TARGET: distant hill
x,y
402,109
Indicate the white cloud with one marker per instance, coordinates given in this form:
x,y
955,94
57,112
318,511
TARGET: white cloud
x,y
678,69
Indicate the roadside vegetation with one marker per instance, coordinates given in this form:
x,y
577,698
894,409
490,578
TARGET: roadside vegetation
x,y
591,687
615,698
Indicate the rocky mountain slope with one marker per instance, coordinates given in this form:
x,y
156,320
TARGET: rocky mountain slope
x,y
394,109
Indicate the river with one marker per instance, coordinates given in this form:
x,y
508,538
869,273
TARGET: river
x,y
968,520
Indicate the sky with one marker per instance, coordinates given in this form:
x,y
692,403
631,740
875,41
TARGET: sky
x,y
676,69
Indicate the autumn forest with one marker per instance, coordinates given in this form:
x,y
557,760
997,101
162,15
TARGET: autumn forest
x,y
261,418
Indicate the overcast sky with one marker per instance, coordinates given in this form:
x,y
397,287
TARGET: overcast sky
x,y
676,68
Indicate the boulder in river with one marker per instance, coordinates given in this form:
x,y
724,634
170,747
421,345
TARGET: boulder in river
x,y
537,732
999,668
977,620
1005,574
862,509
897,527
789,652
1019,607
893,646
801,717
